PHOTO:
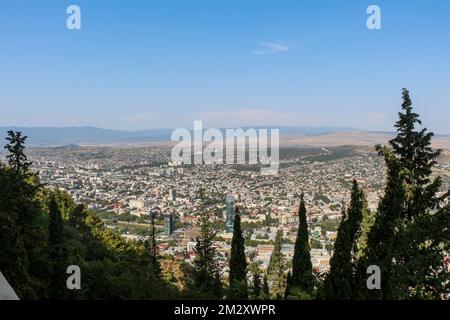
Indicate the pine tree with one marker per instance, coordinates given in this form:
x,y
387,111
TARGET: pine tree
x,y
56,250
18,218
238,263
16,149
302,278
409,256
339,283
256,282
206,274
151,248
287,291
76,217
276,269
265,288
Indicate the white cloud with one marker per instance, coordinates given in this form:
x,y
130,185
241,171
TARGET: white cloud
x,y
274,47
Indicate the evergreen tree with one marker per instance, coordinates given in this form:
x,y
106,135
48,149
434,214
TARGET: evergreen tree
x,y
276,269
339,283
77,216
151,248
238,263
42,232
56,250
367,223
409,256
19,233
302,278
265,288
17,159
256,281
288,285
206,282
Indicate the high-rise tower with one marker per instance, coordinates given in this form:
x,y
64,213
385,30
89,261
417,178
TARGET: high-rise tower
x,y
169,224
230,213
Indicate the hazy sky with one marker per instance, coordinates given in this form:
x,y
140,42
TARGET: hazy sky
x,y
165,63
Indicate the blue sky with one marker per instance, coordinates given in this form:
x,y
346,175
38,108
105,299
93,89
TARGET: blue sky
x,y
165,63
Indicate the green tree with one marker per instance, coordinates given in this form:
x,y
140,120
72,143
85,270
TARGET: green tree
x,y
76,217
256,288
44,231
238,263
19,229
276,269
204,277
265,295
17,158
151,248
302,278
56,251
406,241
288,289
339,283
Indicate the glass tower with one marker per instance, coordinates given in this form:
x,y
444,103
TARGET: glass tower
x,y
169,224
230,213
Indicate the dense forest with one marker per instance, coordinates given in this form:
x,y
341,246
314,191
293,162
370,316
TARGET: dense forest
x,y
42,232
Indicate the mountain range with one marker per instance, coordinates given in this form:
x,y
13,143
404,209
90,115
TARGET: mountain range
x,y
60,136
299,136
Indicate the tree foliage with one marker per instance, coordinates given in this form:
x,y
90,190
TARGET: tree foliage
x,y
339,284
238,262
410,234
43,231
302,278
276,269
204,279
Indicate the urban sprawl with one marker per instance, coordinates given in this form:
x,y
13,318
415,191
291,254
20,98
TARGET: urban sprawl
x,y
126,186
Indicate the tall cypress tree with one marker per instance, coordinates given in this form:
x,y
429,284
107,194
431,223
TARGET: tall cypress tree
x,y
409,256
238,263
287,291
151,248
302,278
206,280
265,288
56,250
339,283
256,282
276,269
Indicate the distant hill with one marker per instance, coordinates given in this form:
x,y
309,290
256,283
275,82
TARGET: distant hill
x,y
72,137
354,138
49,136
63,136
